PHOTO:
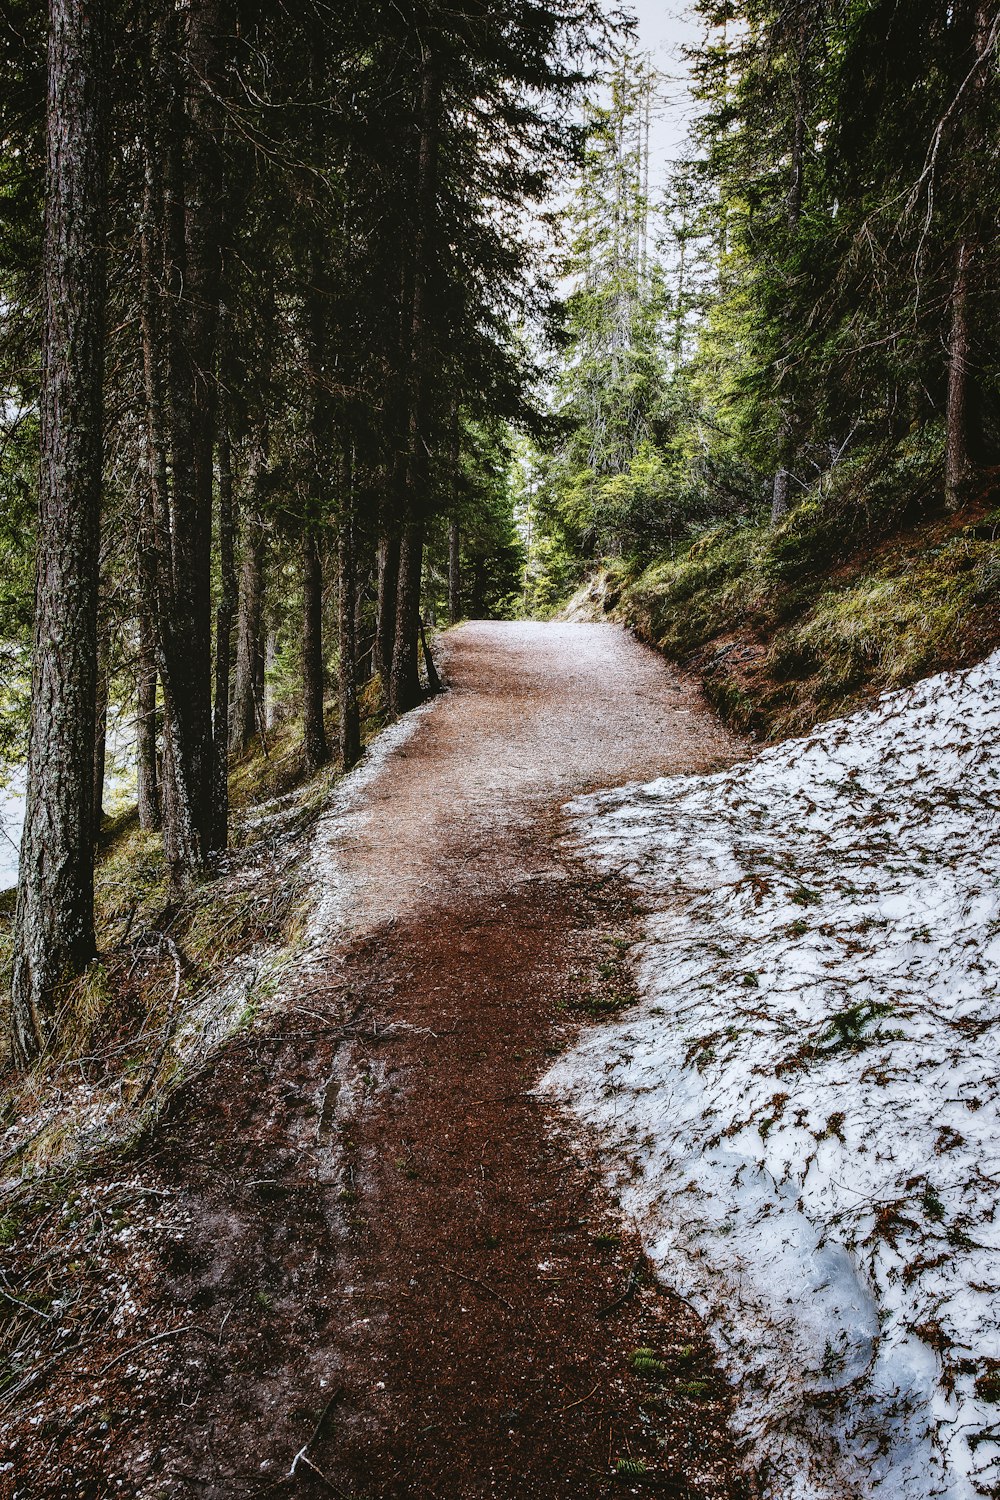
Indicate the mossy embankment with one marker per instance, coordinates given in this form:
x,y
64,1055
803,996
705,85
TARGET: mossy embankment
x,y
174,975
790,626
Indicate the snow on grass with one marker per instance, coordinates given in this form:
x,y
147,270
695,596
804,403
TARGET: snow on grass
x,y
804,1113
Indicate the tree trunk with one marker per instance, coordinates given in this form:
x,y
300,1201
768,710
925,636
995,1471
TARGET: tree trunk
x,y
347,681
165,542
385,629
958,465
793,209
975,17
204,219
248,693
267,698
782,478
454,574
223,639
314,745
404,677
192,242
145,729
433,677
100,726
54,927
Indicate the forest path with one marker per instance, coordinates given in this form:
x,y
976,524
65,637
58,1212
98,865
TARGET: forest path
x,y
403,1263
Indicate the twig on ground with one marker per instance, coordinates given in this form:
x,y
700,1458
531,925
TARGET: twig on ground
x,y
482,1285
630,1286
302,1457
582,1399
492,1292
9,1297
156,1339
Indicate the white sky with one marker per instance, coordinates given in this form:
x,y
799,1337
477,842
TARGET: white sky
x,y
665,26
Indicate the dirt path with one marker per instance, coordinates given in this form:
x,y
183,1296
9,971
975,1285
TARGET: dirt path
x,y
400,1270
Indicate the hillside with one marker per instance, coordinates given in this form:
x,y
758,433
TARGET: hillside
x,y
787,627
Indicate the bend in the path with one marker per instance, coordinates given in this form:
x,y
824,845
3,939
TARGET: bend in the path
x,y
535,714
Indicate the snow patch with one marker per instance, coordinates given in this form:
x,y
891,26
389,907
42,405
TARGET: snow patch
x,y
803,1115
349,808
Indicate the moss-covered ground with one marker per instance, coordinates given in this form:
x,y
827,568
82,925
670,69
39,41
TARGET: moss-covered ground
x,y
792,626
157,954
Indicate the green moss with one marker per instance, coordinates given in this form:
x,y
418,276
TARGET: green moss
x,y
794,625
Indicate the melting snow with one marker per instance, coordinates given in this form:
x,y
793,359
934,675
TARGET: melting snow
x,y
804,1113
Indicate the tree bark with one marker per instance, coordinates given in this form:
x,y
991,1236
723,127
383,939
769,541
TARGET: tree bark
x,y
975,17
54,926
165,505
248,705
316,751
782,477
100,726
347,680
958,464
385,629
454,573
404,677
223,639
192,244
145,729
793,210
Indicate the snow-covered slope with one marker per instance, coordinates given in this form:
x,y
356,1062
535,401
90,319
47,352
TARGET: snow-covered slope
x,y
804,1113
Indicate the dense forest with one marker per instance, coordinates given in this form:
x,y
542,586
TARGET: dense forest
x,y
307,379
268,333
787,356
448,1047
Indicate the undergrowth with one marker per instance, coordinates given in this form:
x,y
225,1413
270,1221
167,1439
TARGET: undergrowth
x,y
173,977
792,626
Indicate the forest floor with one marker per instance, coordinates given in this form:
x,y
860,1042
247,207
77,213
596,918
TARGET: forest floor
x,y
359,1253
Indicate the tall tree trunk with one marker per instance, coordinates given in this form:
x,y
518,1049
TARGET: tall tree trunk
x,y
975,17
958,464
347,680
404,676
165,504
781,488
145,729
316,308
101,724
203,228
782,478
267,694
248,697
315,749
454,532
223,638
454,573
54,927
192,241
385,626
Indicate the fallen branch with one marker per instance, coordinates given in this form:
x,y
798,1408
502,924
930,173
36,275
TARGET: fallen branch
x,y
630,1286
302,1457
491,1292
